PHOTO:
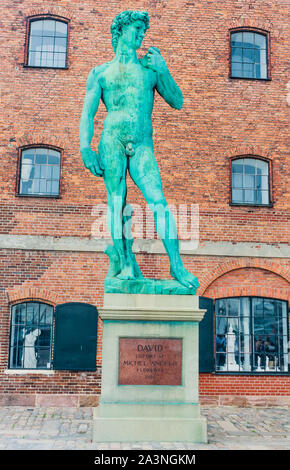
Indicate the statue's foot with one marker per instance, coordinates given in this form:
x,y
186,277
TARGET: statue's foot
x,y
185,277
127,272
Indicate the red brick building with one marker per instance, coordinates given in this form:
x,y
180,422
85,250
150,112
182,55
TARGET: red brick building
x,y
226,151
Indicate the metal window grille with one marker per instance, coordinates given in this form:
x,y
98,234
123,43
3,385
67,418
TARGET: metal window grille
x,y
39,172
47,43
251,335
31,336
248,55
250,181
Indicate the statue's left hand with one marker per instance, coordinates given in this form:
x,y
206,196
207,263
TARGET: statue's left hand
x,y
154,60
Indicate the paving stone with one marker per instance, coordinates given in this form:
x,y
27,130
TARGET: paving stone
x,y
82,428
229,427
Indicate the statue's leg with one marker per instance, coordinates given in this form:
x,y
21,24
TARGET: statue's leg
x,y
144,171
115,168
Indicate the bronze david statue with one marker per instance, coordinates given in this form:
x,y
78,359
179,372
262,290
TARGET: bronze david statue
x,y
126,85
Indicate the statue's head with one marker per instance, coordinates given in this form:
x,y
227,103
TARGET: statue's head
x,y
132,25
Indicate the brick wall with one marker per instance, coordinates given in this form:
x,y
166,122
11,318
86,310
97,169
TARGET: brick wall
x,y
221,118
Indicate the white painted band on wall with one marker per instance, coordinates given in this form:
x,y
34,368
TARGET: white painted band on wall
x,y
206,248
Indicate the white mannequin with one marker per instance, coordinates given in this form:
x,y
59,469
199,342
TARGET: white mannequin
x,y
30,361
231,338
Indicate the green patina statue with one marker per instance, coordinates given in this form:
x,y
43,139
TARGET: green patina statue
x,y
126,85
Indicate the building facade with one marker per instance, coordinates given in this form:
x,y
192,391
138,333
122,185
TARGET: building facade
x,y
226,153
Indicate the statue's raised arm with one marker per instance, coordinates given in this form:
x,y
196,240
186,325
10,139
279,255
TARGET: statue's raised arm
x,y
165,84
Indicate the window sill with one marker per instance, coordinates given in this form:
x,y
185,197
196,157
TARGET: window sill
x,y
43,67
240,204
28,371
241,373
250,78
55,196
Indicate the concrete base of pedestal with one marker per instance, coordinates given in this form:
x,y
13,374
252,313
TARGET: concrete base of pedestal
x,y
159,423
129,413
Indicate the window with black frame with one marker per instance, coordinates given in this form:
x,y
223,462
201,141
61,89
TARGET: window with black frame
x,y
47,43
251,335
39,172
31,336
248,55
250,181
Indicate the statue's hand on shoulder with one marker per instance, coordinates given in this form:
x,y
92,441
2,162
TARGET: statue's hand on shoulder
x,y
153,60
92,161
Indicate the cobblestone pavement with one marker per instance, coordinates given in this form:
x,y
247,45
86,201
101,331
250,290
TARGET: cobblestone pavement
x,y
71,428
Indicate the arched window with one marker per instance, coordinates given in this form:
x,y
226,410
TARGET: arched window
x,y
31,336
47,43
249,55
250,181
251,335
39,172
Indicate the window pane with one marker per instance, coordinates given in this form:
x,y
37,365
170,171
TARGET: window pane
x,y
248,70
35,186
237,54
34,59
60,45
249,55
55,172
53,156
43,169
28,156
262,167
45,314
237,166
41,156
19,314
35,43
60,29
237,195
36,171
48,43
269,307
47,59
26,187
248,39
260,41
237,181
49,172
55,187
59,59
36,28
52,187
48,28
233,307
44,338
237,39
32,315
237,69
248,181
43,358
249,196
263,70
26,172
42,186
249,166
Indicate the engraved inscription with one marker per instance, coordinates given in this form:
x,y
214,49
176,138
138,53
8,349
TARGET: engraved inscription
x,y
150,361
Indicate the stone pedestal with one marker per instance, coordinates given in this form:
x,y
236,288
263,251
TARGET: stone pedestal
x,y
149,370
